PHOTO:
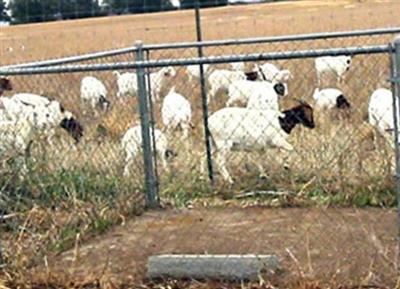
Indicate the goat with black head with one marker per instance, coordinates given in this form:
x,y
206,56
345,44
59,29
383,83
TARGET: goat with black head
x,y
57,115
73,127
94,92
245,129
330,98
300,114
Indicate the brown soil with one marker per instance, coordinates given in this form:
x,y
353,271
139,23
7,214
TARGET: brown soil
x,y
334,245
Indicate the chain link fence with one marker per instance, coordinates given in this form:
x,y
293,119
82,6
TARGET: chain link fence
x,y
155,132
322,158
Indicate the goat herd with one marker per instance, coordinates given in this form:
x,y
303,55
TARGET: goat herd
x,y
258,125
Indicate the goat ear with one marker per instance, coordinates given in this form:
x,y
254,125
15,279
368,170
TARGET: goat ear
x,y
302,102
285,75
298,100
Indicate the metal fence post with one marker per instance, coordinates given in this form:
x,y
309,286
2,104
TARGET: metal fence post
x,y
152,198
204,98
395,74
152,119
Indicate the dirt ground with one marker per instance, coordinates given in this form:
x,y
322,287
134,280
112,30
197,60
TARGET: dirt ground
x,y
333,245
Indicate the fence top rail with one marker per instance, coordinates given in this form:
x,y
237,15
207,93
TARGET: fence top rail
x,y
271,39
149,47
73,59
203,60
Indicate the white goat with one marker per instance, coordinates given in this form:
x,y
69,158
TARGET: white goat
x,y
271,73
254,129
131,143
55,114
264,100
176,112
243,90
16,133
14,111
159,78
94,92
194,71
127,82
337,65
221,79
380,113
330,98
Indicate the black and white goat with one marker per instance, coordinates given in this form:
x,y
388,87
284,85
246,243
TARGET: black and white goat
x,y
94,92
247,129
57,115
330,98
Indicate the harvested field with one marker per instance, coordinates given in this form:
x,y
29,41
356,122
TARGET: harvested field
x,y
57,39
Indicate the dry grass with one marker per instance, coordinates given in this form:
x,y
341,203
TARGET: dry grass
x,y
337,153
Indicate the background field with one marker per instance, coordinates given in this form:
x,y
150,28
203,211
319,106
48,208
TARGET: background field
x,y
56,39
337,163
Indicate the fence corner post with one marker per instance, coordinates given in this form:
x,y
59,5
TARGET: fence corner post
x,y
152,198
395,83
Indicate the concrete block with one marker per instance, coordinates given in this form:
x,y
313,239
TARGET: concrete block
x,y
221,267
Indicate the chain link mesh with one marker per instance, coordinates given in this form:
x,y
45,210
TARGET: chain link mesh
x,y
339,153
94,184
